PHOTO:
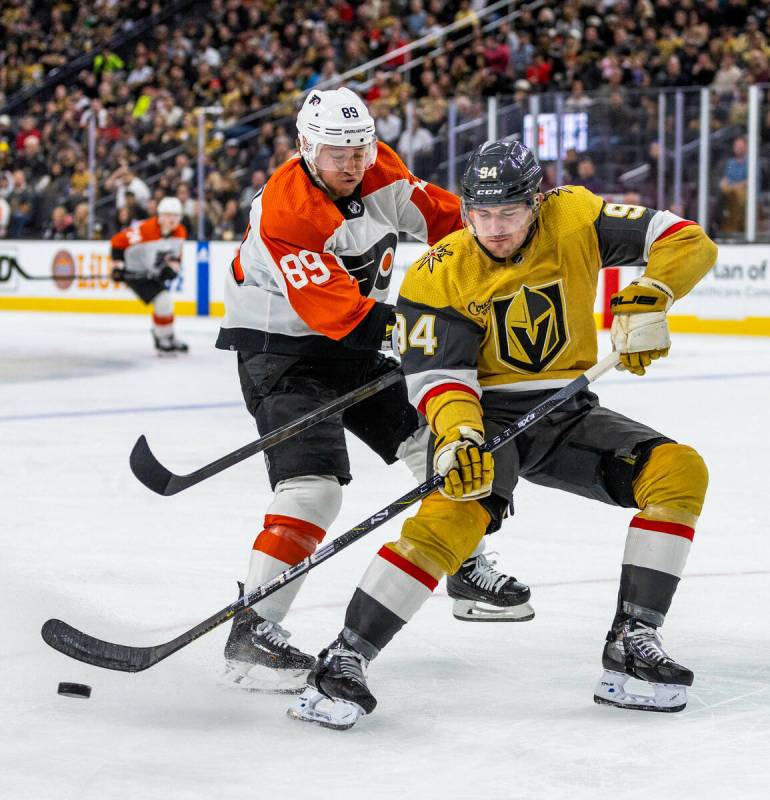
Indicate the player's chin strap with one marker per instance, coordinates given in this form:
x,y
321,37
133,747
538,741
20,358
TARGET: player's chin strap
x,y
315,177
307,154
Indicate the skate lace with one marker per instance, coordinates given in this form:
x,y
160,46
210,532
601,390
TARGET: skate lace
x,y
351,665
274,633
486,576
648,643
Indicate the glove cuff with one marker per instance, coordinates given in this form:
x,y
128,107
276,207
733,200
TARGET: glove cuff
x,y
469,434
654,283
452,409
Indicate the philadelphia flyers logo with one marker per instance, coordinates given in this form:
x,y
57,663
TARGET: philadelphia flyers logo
x,y
373,268
531,327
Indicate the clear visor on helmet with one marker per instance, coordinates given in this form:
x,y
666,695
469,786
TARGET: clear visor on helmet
x,y
334,158
499,220
167,221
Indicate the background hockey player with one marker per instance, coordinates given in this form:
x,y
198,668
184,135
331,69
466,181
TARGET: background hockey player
x,y
147,256
305,311
506,306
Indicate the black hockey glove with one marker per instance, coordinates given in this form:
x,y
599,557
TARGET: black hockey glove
x,y
170,270
118,272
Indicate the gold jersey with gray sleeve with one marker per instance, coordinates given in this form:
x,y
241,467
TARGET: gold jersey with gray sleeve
x,y
470,322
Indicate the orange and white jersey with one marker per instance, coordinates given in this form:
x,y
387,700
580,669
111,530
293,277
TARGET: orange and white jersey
x,y
143,248
311,270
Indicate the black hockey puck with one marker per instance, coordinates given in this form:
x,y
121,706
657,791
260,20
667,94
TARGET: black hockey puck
x,y
80,690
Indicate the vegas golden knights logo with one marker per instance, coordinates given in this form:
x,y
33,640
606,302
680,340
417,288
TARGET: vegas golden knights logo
x,y
531,327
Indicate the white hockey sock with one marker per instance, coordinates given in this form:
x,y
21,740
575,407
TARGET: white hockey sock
x,y
653,561
263,568
163,315
301,512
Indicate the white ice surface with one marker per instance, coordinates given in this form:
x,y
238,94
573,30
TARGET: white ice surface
x,y
466,710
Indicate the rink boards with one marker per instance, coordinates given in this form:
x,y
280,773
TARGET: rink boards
x,y
734,298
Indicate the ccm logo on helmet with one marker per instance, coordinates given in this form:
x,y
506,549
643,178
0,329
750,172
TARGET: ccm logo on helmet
x,y
489,191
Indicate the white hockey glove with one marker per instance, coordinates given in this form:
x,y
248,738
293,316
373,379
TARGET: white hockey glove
x,y
467,471
640,330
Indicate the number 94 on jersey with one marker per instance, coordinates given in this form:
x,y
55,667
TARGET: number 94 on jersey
x,y
421,335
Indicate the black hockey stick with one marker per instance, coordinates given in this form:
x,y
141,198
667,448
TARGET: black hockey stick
x,y
81,646
155,476
9,265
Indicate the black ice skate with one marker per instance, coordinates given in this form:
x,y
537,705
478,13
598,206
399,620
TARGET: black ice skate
x,y
336,694
482,594
636,651
169,345
259,658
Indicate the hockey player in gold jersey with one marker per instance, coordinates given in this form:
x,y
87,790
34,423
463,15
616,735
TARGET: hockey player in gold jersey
x,y
491,319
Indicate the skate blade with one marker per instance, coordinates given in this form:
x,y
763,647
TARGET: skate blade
x,y
473,611
258,678
667,697
312,706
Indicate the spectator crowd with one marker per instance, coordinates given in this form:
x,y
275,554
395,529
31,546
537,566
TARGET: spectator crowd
x,y
249,63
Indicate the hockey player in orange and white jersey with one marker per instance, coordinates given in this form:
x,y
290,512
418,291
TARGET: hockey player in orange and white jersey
x,y
146,256
306,312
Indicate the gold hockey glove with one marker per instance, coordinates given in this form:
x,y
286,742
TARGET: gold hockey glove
x,y
640,330
467,470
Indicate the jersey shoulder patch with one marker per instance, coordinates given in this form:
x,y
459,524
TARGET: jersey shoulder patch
x,y
432,278
437,256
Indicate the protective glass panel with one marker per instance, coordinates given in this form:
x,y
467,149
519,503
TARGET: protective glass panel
x,y
729,164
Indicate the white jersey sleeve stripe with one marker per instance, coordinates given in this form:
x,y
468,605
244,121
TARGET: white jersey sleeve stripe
x,y
659,224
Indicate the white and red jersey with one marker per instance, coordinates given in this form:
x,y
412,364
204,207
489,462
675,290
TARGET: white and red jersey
x,y
143,248
311,273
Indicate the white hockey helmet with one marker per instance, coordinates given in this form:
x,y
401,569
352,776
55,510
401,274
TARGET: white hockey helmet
x,y
170,205
335,118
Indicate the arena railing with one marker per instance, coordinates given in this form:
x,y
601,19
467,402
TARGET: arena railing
x,y
701,152
351,77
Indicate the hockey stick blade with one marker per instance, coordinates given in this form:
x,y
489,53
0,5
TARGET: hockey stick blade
x,y
149,471
125,658
15,267
83,647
